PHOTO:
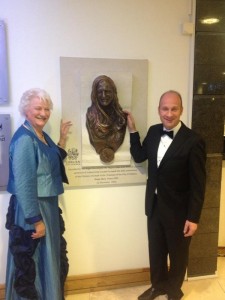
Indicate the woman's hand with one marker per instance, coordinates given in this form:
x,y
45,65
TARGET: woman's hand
x,y
39,230
64,129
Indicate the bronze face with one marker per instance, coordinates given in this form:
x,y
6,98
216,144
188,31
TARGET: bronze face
x,y
105,93
105,119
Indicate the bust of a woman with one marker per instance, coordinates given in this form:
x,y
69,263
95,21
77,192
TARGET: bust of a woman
x,y
105,119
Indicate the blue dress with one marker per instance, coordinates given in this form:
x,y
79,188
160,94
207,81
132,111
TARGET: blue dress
x,y
36,269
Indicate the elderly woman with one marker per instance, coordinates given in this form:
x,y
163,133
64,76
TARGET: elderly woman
x,y
37,265
105,119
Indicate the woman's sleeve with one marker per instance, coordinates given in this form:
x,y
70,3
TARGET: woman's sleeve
x,y
63,153
24,166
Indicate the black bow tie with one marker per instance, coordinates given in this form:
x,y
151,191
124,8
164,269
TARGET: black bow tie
x,y
169,133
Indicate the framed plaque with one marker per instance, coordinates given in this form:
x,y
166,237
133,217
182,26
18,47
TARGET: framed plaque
x,y
4,87
5,137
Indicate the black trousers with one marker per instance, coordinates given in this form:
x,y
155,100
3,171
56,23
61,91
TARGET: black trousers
x,y
167,243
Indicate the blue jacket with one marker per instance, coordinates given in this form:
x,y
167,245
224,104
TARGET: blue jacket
x,y
35,170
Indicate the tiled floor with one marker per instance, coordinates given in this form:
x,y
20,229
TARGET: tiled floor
x,y
204,289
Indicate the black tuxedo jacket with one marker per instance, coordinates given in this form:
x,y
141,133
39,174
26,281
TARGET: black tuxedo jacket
x,y
180,177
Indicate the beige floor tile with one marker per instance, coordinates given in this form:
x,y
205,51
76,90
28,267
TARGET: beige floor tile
x,y
204,289
221,282
119,294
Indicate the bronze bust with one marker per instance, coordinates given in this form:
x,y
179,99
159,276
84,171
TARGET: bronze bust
x,y
105,120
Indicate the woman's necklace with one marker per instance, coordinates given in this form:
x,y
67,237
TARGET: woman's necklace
x,y
40,136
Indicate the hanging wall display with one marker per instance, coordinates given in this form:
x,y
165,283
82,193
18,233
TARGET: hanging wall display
x,y
5,137
4,87
94,94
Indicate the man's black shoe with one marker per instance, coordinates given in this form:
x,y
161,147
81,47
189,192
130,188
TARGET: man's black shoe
x,y
173,298
150,294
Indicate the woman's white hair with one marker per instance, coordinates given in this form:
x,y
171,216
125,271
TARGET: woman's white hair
x,y
33,93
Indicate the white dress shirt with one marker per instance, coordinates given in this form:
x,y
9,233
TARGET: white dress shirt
x,y
165,142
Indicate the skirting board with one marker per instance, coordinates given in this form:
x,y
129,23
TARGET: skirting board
x,y
101,281
106,280
2,291
202,277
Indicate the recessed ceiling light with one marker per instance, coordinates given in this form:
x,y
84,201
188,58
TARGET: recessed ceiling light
x,y
210,21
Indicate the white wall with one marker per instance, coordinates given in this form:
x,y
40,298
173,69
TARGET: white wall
x,y
106,227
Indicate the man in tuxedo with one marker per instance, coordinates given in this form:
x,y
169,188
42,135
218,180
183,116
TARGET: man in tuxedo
x,y
174,193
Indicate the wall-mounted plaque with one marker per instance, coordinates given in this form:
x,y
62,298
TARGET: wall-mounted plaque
x,y
94,93
4,87
5,137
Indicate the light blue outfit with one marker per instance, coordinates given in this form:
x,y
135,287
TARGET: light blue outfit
x,y
35,179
